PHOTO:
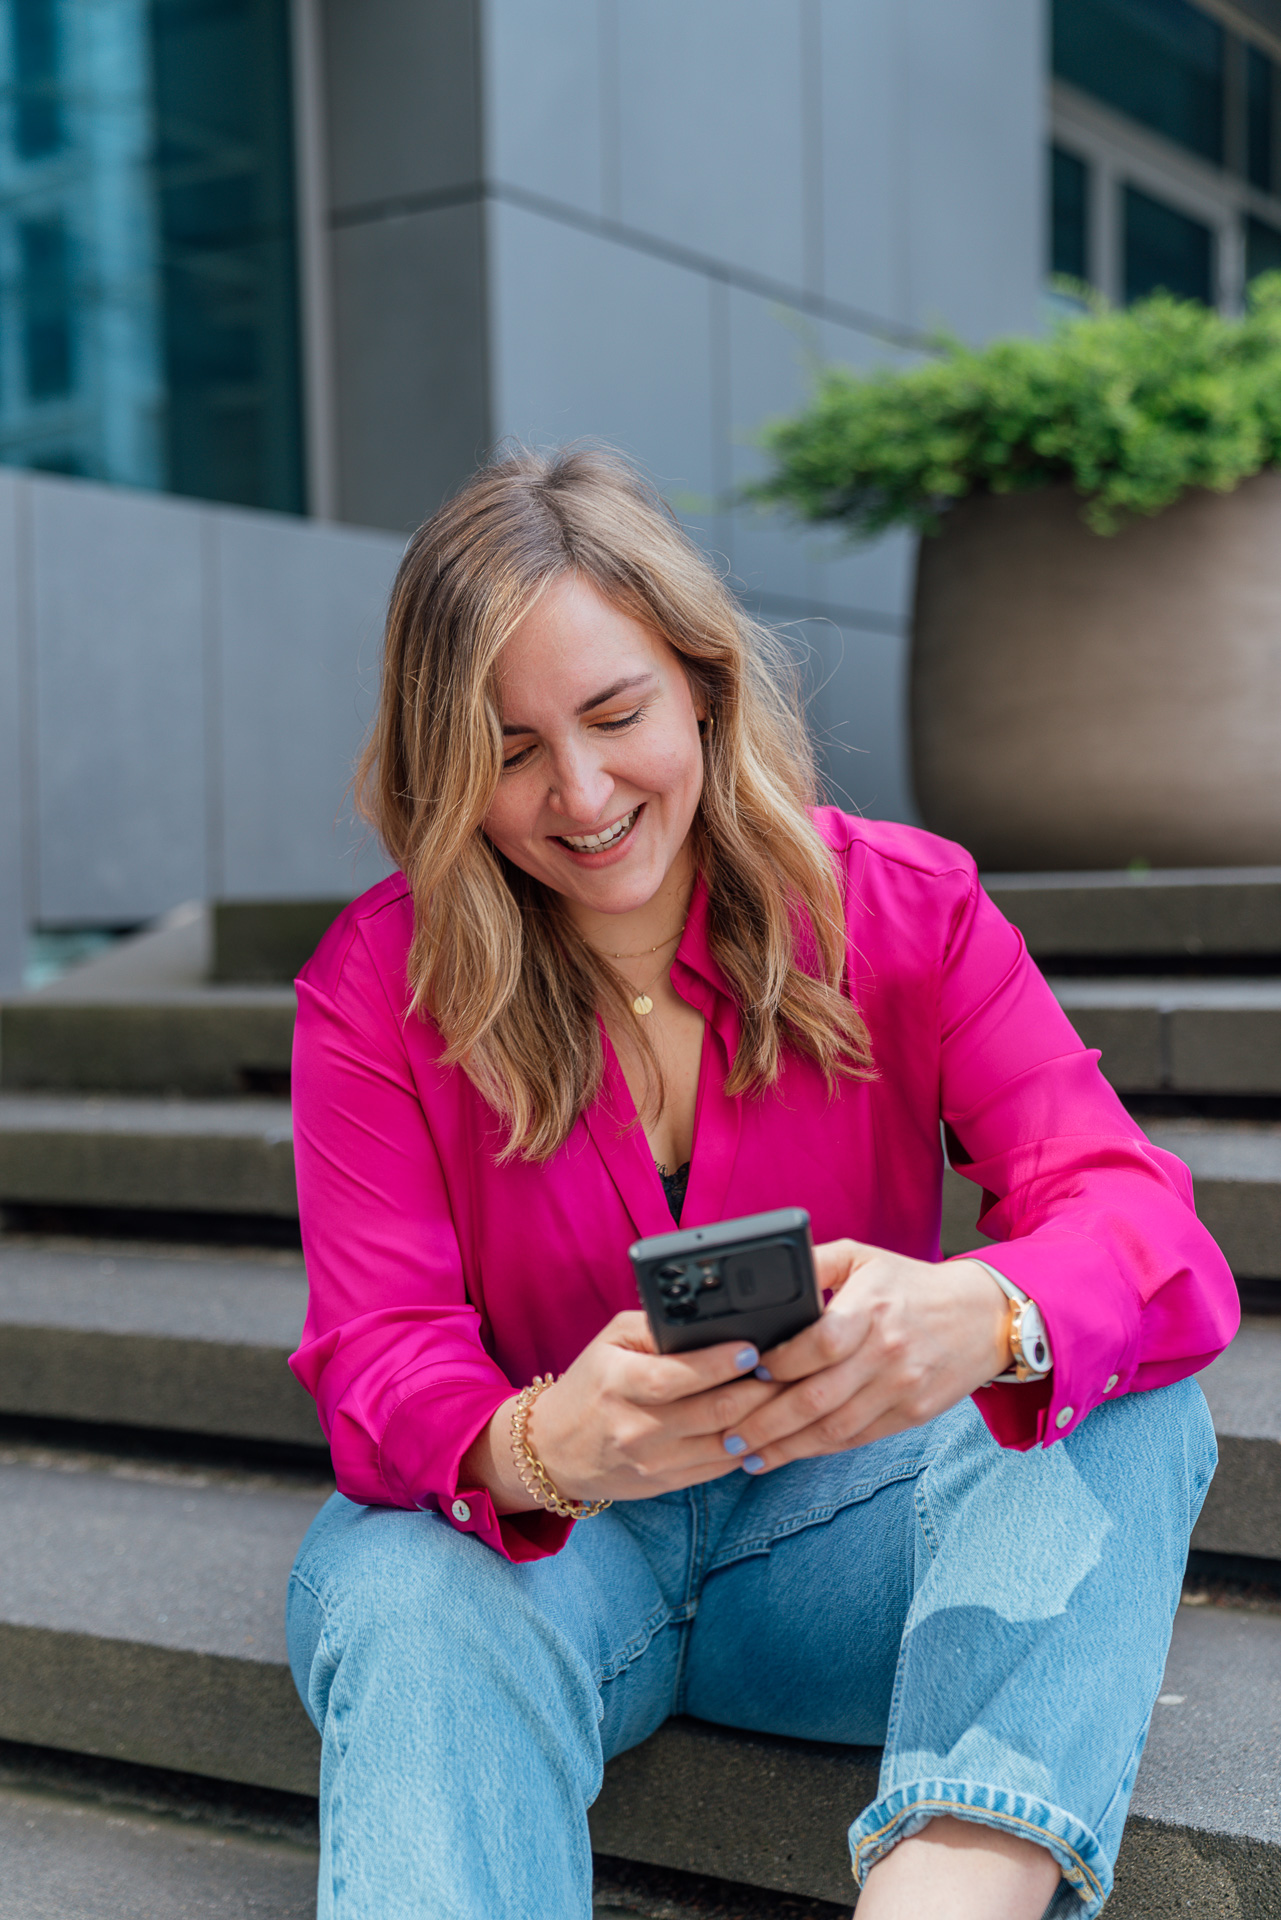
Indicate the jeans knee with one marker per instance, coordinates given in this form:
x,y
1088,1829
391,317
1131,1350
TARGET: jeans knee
x,y
401,1604
1160,1445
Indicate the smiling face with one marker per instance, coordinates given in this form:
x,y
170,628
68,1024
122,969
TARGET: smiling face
x,y
603,759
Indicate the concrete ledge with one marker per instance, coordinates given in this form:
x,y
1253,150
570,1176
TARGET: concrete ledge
x,y
1174,913
206,1043
264,940
215,1157
157,1706
133,1380
1163,1871
743,1806
1180,1036
194,1344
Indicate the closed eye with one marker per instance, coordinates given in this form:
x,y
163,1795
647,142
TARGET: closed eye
x,y
619,726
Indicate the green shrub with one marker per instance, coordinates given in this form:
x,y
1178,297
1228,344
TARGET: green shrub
x,y
1132,408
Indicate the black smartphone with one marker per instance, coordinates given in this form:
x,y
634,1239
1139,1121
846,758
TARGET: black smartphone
x,y
750,1279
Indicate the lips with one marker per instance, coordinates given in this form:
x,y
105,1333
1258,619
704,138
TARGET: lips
x,y
600,842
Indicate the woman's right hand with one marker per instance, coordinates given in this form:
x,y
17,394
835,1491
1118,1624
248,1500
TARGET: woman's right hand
x,y
625,1422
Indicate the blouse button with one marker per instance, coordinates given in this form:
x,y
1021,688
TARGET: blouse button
x,y
1062,1417
461,1512
1112,1380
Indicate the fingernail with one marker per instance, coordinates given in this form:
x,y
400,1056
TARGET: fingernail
x,y
735,1443
746,1357
753,1463
763,1373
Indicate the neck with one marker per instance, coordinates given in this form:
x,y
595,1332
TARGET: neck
x,y
650,925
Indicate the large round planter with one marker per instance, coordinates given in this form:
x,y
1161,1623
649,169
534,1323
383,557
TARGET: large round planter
x,y
1082,702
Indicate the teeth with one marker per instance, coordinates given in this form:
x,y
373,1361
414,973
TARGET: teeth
x,y
593,842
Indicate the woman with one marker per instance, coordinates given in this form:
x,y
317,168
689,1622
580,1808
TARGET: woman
x,y
627,972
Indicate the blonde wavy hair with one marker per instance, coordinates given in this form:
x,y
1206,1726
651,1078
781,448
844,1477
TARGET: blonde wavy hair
x,y
496,961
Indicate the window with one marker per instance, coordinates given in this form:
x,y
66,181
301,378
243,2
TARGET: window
x,y
1069,215
33,31
147,246
1164,248
1166,156
1161,62
1260,93
1262,248
46,308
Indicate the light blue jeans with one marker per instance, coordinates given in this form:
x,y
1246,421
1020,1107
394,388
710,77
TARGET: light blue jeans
x,y
998,1620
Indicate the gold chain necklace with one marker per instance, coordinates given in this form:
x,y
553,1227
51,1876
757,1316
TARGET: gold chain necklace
x,y
642,1003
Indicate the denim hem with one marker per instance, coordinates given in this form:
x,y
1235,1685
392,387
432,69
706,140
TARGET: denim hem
x,y
904,1811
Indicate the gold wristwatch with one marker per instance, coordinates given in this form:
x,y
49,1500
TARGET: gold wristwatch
x,y
1025,1330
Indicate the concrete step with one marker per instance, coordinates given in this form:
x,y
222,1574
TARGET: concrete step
x,y
140,1619
191,1341
1211,913
1242,1513
1180,1036
69,1858
141,1614
1236,1175
197,1040
263,940
202,1156
142,1018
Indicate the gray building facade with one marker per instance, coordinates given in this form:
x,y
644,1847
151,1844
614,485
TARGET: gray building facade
x,y
317,257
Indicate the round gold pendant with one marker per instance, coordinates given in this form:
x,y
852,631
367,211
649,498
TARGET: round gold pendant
x,y
642,1004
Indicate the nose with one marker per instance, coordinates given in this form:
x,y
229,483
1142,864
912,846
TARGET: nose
x,y
580,787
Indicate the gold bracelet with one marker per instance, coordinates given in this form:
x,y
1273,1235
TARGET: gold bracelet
x,y
533,1474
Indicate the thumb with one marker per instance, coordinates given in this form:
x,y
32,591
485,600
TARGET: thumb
x,y
630,1330
836,1260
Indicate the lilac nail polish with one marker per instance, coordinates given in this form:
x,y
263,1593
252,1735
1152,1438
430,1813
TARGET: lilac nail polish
x,y
734,1443
746,1357
763,1373
753,1463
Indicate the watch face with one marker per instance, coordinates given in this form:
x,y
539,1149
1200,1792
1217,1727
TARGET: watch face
x,y
1033,1340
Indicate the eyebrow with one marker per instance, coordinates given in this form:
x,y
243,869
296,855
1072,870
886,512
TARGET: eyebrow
x,y
598,699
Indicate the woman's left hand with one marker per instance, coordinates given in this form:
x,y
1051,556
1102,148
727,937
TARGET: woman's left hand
x,y
900,1342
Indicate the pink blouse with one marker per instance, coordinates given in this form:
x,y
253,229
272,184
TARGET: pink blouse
x,y
441,1282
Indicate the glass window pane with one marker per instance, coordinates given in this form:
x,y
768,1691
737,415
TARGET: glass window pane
x,y
34,50
221,76
148,306
1262,248
46,307
1164,248
1258,118
1160,61
1069,214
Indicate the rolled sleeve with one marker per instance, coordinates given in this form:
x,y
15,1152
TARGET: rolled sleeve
x,y
1091,1220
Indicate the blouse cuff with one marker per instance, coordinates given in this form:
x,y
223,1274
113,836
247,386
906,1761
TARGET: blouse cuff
x,y
428,1477
1093,1350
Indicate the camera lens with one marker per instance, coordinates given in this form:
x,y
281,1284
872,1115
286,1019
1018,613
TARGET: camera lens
x,y
671,1272
674,1289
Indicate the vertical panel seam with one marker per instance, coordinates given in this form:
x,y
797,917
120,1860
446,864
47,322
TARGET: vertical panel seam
x,y
28,697
211,658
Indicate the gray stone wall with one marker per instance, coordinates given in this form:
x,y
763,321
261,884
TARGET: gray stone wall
x,y
642,221
182,693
